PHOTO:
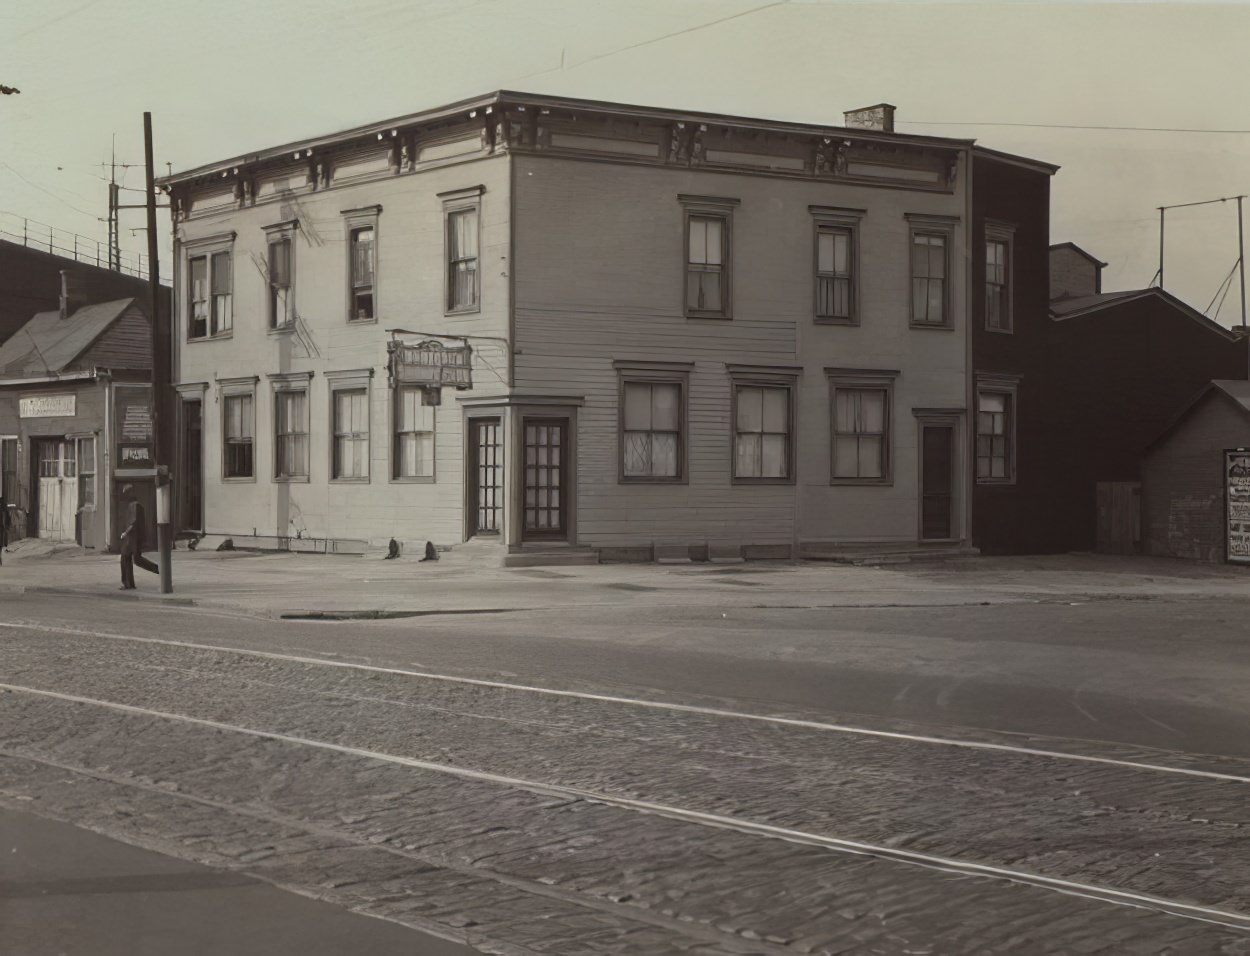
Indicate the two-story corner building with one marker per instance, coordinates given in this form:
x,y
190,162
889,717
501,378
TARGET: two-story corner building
x,y
665,330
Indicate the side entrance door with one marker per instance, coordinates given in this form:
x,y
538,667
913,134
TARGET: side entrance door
x,y
546,480
191,508
485,476
57,466
937,482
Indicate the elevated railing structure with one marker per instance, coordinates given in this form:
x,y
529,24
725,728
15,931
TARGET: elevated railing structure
x,y
61,242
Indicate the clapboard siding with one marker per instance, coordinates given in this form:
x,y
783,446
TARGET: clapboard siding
x,y
126,344
599,277
409,295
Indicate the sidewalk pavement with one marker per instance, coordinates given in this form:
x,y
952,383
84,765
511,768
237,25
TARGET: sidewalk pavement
x,y
275,585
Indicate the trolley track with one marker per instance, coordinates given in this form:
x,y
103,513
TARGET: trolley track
x,y
819,791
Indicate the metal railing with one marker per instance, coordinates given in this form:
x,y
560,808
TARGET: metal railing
x,y
61,242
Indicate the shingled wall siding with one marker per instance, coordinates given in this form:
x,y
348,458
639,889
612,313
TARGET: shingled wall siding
x,y
1183,483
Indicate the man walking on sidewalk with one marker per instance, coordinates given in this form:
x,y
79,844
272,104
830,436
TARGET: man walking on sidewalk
x,y
132,540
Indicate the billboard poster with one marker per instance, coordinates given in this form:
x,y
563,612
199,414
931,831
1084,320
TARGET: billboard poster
x,y
134,430
1237,496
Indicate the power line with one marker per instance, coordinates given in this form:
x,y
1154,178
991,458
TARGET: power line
x,y
46,192
1113,129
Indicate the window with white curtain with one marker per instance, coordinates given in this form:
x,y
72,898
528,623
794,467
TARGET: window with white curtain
x,y
762,429
291,434
462,255
413,455
351,434
860,433
238,422
651,430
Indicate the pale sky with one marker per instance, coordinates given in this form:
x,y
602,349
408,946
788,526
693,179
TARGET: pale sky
x,y
234,76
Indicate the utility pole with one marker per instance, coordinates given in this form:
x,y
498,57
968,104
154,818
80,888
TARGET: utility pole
x,y
160,374
1241,259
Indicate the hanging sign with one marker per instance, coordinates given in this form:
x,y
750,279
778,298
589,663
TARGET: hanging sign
x,y
1237,498
431,363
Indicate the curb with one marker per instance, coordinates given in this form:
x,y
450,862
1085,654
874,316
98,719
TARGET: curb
x,y
380,615
124,596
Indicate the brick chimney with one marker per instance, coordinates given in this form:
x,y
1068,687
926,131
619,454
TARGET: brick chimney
x,y
879,117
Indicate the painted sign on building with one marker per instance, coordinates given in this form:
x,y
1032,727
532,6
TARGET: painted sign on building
x,y
134,430
1237,496
47,406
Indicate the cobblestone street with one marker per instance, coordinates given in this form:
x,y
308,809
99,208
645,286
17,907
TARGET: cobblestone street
x,y
525,820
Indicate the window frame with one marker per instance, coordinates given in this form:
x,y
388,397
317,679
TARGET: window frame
x,y
354,381
1004,234
86,476
355,221
207,248
456,202
942,227
397,392
1007,386
836,220
710,208
280,232
228,388
286,384
754,376
654,373
852,379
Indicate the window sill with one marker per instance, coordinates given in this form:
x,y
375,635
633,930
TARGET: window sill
x,y
238,479
866,482
413,480
211,338
762,481
286,329
372,321
291,479
933,326
834,320
715,316
364,480
996,481
466,310
1007,331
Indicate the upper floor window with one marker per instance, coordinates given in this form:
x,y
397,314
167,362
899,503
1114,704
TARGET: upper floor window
x,y
998,278
709,256
462,216
362,266
837,232
210,298
931,240
281,304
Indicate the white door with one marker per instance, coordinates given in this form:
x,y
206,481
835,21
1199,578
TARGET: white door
x,y
58,489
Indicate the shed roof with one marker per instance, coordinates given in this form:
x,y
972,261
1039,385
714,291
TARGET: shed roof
x,y
1071,307
48,343
1228,389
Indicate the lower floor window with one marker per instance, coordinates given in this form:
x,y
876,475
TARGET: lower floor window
x,y
651,438
291,434
86,472
860,442
414,435
994,435
762,431
351,433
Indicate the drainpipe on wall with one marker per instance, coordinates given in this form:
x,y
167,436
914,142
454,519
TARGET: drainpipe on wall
x,y
64,294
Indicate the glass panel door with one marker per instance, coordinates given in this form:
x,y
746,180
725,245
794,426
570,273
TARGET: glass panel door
x,y
546,457
487,478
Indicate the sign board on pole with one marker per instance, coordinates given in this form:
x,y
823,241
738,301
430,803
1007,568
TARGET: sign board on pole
x,y
134,430
1237,504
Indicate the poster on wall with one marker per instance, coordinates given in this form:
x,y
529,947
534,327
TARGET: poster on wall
x,y
134,430
1237,495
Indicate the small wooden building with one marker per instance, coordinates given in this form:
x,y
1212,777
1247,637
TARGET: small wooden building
x,y
75,421
1196,479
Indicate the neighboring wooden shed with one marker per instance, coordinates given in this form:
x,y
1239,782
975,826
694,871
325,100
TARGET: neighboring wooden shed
x,y
1187,473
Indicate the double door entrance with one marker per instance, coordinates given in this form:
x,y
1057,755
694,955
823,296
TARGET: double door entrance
x,y
56,465
544,478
